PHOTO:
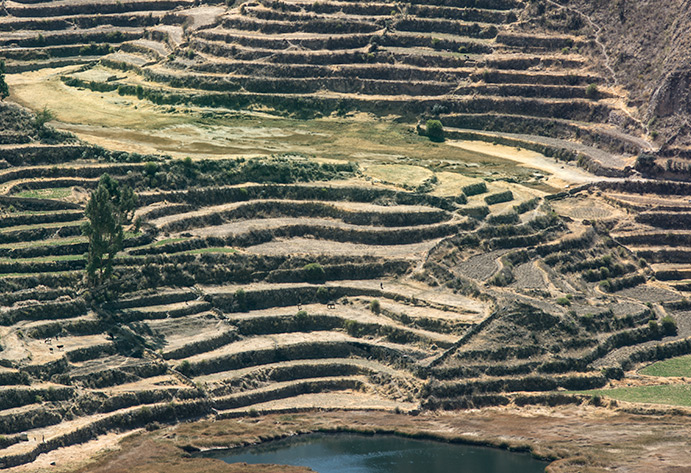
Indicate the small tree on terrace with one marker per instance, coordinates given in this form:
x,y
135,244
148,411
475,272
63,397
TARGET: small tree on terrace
x,y
435,130
110,206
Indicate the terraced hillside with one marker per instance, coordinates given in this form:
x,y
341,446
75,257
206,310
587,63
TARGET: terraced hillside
x,y
358,280
217,306
50,34
480,66
321,290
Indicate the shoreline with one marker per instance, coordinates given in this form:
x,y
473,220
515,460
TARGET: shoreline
x,y
570,437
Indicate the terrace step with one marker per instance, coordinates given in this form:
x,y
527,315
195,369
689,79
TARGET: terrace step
x,y
603,136
314,345
113,370
20,419
663,254
408,291
353,213
162,296
295,370
643,203
673,238
683,285
596,160
384,9
85,428
176,310
63,7
309,246
672,272
192,335
352,320
346,399
104,34
290,389
135,18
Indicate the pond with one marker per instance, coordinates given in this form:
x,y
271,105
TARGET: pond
x,y
352,453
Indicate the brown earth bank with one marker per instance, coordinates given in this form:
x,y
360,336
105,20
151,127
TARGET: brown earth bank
x,y
582,439
640,46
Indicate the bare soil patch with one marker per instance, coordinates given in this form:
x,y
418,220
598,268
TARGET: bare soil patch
x,y
310,246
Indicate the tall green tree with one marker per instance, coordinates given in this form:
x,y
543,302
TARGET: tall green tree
x,y
4,89
109,208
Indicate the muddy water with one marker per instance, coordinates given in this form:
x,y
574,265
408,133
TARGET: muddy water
x,y
350,453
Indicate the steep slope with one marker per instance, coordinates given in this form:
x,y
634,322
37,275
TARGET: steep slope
x,y
642,48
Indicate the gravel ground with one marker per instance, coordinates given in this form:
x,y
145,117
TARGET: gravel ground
x,y
481,267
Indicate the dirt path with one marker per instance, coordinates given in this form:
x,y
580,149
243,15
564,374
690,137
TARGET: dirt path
x,y
562,174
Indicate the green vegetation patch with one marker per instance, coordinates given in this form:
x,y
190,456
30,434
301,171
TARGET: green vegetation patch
x,y
679,367
669,394
211,250
40,243
165,241
55,193
42,259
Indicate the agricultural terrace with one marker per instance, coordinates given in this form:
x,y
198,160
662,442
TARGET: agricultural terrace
x,y
299,242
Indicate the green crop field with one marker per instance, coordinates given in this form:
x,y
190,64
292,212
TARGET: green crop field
x,y
56,193
668,394
674,367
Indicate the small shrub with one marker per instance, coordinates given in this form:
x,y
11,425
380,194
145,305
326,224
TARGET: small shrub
x,y
439,109
613,372
572,79
645,162
301,318
375,306
669,325
502,278
184,367
314,272
240,298
606,285
475,189
435,130
323,295
592,92
564,301
499,197
653,326
43,117
152,426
